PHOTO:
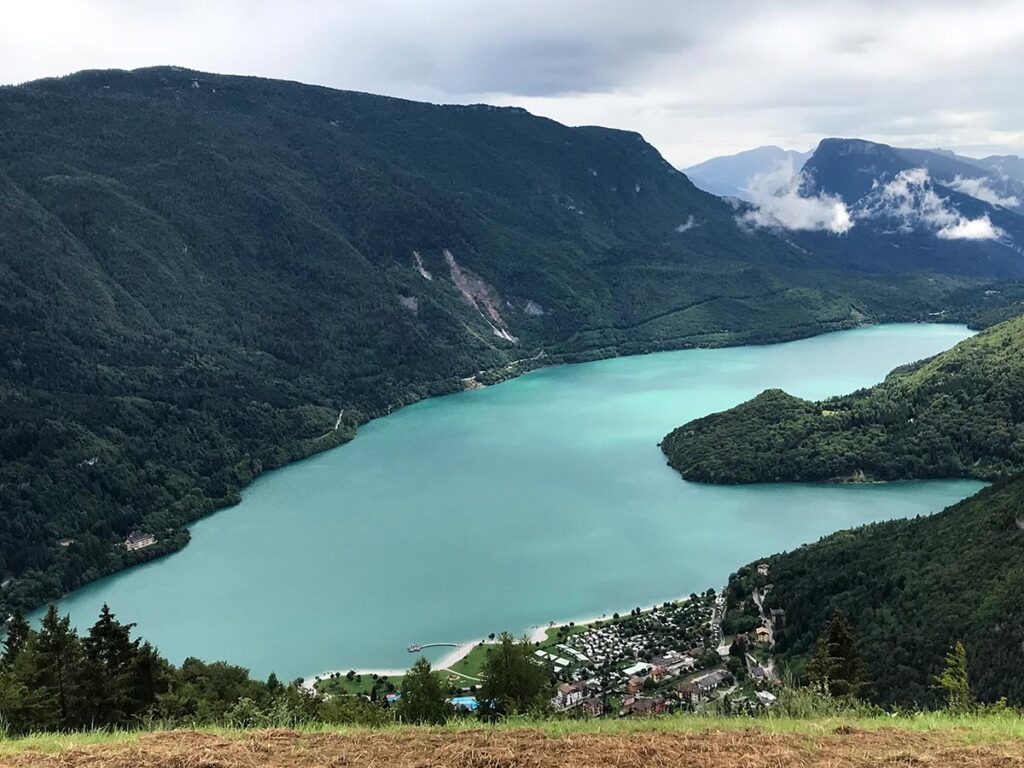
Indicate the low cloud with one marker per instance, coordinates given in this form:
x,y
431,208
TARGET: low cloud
x,y
686,226
779,202
911,198
971,229
980,189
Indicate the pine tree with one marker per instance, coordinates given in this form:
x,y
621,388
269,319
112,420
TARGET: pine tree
x,y
59,665
109,642
111,654
150,675
273,684
422,699
512,681
24,706
17,635
836,666
954,681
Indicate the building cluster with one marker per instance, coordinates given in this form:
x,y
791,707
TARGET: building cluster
x,y
642,635
650,662
649,690
636,664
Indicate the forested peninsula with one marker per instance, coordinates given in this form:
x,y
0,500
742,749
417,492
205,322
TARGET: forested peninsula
x,y
959,414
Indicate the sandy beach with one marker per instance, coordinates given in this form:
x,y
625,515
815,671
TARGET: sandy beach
x,y
536,634
457,654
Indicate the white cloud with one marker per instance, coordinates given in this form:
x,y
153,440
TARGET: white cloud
x,y
911,198
686,226
779,202
980,189
971,229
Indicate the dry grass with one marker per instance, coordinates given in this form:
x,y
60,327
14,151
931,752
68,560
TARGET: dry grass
x,y
635,747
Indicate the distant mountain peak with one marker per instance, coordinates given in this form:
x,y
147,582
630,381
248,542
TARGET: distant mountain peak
x,y
731,175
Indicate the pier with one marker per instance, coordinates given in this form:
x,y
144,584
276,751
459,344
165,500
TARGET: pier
x,y
417,647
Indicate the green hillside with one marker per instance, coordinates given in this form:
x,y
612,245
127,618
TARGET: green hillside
x,y
911,589
199,273
959,414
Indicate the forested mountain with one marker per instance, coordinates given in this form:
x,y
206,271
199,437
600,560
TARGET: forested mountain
x,y
911,589
205,276
915,209
856,170
959,414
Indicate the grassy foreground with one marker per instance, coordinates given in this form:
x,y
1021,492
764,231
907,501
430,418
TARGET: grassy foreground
x,y
938,739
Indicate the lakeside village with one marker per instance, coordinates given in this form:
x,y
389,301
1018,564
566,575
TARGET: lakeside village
x,y
696,654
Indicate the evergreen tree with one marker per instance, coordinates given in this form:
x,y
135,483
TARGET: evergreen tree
x,y
111,652
273,684
59,664
422,699
954,681
24,706
512,681
836,666
150,676
17,635
109,642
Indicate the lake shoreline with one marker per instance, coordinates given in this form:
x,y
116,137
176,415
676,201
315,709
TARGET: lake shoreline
x,y
535,634
310,448
354,520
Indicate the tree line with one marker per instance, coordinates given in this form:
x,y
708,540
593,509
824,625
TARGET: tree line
x,y
54,679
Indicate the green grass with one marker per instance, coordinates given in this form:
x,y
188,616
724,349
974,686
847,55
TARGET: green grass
x,y
360,685
968,729
472,663
463,673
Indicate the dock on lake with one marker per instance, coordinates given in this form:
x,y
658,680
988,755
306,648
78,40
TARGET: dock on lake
x,y
416,647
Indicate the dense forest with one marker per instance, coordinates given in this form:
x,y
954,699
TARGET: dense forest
x,y
911,589
203,277
53,679
959,414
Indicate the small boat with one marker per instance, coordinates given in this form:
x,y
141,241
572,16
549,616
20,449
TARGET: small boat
x,y
414,648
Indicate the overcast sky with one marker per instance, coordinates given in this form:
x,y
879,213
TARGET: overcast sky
x,y
697,79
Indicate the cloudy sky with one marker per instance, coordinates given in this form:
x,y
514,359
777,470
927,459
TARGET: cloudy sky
x,y
697,79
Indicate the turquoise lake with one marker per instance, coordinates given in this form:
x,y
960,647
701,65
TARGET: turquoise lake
x,y
542,498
